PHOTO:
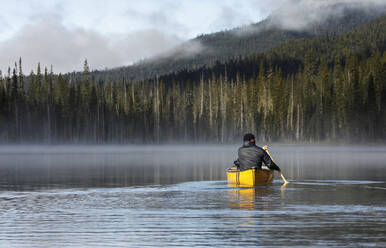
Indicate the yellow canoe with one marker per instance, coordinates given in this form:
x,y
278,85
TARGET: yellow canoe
x,y
249,178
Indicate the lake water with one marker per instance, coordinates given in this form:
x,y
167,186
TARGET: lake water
x,y
164,196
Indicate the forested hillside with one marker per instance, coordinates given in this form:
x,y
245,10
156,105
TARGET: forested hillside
x,y
207,50
330,88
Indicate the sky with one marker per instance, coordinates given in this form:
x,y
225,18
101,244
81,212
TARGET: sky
x,y
111,33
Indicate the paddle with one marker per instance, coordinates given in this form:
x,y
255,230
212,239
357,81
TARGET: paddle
x,y
281,174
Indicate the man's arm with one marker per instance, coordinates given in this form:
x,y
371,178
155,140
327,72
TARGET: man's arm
x,y
268,162
265,148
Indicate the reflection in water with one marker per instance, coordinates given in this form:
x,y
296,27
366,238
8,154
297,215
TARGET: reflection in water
x,y
283,188
95,167
332,162
25,168
249,198
244,198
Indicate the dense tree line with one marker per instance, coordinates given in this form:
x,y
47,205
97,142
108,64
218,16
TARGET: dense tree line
x,y
330,88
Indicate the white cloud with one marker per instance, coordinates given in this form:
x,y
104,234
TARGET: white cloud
x,y
299,14
117,32
109,33
48,41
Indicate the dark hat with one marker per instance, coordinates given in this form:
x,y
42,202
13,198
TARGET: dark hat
x,y
248,136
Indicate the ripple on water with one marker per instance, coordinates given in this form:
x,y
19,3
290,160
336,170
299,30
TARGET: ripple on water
x,y
208,213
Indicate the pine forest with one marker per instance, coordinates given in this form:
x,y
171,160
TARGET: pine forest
x,y
330,88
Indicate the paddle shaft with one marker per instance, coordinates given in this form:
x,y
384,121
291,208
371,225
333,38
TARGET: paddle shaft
x,y
281,174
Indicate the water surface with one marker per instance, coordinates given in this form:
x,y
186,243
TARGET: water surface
x,y
95,196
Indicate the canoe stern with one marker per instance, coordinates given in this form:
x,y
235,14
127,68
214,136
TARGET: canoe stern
x,y
249,178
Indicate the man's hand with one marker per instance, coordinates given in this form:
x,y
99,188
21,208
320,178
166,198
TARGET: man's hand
x,y
265,148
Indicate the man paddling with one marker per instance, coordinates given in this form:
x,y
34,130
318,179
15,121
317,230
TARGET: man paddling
x,y
250,155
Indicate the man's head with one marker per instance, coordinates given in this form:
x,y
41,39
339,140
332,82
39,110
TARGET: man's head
x,y
249,137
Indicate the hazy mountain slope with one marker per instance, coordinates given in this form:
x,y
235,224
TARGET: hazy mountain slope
x,y
205,50
290,56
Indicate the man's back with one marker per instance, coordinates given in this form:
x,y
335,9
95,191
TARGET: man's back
x,y
250,156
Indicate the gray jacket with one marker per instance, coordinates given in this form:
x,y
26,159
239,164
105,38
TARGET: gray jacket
x,y
251,155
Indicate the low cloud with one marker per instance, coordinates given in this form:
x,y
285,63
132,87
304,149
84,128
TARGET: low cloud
x,y
185,50
49,42
301,14
298,15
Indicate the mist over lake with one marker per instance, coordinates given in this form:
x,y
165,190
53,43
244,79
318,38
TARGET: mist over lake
x,y
121,166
